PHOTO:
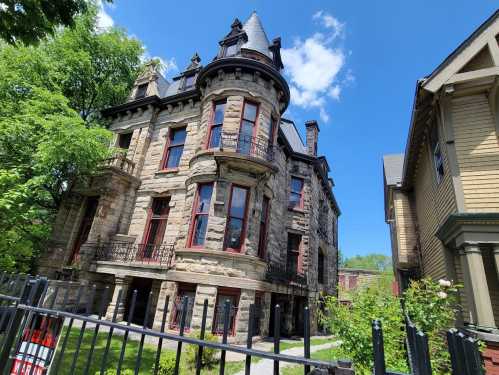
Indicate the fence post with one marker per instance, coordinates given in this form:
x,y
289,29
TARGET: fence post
x,y
424,353
378,348
473,359
456,355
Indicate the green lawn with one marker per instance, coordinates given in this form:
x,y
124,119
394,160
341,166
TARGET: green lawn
x,y
289,345
148,356
322,355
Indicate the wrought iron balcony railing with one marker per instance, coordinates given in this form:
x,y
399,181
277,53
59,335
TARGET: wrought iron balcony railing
x,y
282,274
135,253
121,162
246,145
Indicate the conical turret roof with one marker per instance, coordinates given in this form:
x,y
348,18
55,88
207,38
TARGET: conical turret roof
x,y
257,39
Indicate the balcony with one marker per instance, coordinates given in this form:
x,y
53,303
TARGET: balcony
x,y
120,162
281,274
124,252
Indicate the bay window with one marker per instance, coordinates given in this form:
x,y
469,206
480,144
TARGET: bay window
x,y
215,131
247,128
200,214
174,149
236,220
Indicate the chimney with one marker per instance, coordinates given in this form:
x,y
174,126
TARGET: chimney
x,y
312,136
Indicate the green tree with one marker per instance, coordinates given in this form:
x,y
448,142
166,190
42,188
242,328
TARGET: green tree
x,y
377,262
50,134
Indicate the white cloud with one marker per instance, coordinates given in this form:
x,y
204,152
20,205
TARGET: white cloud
x,y
314,66
167,66
104,20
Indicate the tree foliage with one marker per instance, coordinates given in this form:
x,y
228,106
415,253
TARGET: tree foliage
x,y
50,134
377,262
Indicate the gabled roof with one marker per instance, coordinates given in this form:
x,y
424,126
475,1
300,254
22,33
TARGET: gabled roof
x,y
463,53
257,39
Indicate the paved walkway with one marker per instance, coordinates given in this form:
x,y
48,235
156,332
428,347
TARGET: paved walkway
x,y
266,366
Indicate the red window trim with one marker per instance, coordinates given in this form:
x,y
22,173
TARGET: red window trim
x,y
299,265
147,228
255,123
245,219
194,214
166,152
182,288
229,292
212,120
262,241
301,205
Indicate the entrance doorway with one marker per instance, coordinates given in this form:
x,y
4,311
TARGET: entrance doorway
x,y
85,226
143,287
298,307
282,301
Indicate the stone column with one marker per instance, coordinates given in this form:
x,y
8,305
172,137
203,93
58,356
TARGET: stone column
x,y
120,283
167,289
242,323
477,290
265,314
204,292
495,250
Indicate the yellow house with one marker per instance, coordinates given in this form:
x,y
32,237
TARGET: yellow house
x,y
442,194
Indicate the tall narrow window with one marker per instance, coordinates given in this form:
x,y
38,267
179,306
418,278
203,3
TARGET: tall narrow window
x,y
124,140
438,161
175,148
215,132
200,214
296,193
320,267
223,295
141,91
155,227
247,128
294,262
184,291
189,81
264,217
236,221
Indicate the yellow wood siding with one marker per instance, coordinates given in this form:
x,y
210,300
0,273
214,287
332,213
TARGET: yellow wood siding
x,y
406,232
477,153
434,202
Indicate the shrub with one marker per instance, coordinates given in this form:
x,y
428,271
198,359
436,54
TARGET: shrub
x,y
166,363
209,354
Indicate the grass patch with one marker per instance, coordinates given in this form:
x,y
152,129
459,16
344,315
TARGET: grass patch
x,y
321,355
313,342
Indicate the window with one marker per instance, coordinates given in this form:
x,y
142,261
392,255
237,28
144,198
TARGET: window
x,y
296,193
231,49
438,161
264,218
175,147
189,81
155,226
215,132
320,267
184,291
141,91
200,214
124,140
223,295
247,128
294,256
236,221
352,282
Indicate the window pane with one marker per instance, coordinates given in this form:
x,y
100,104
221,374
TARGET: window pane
x,y
219,113
216,133
189,81
159,206
177,136
174,155
245,137
296,185
292,262
234,233
141,91
204,198
250,111
153,232
231,50
294,242
294,200
124,140
238,202
200,230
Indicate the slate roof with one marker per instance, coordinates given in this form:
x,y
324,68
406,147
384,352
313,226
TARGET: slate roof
x,y
291,133
257,39
393,166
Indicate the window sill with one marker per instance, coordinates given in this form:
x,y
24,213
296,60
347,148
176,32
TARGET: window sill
x,y
296,209
167,171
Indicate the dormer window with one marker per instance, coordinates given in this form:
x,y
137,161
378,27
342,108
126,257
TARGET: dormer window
x,y
189,81
141,91
230,50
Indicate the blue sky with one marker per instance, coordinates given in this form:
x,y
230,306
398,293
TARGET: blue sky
x,y
352,65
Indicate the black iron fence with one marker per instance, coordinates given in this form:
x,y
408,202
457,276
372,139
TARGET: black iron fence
x,y
135,253
247,145
44,334
464,352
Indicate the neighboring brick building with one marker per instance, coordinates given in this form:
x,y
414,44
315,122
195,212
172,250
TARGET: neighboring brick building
x,y
349,279
442,195
213,196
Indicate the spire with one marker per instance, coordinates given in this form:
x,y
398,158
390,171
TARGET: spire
x,y
257,39
195,62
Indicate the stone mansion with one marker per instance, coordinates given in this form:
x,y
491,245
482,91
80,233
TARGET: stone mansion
x,y
211,194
